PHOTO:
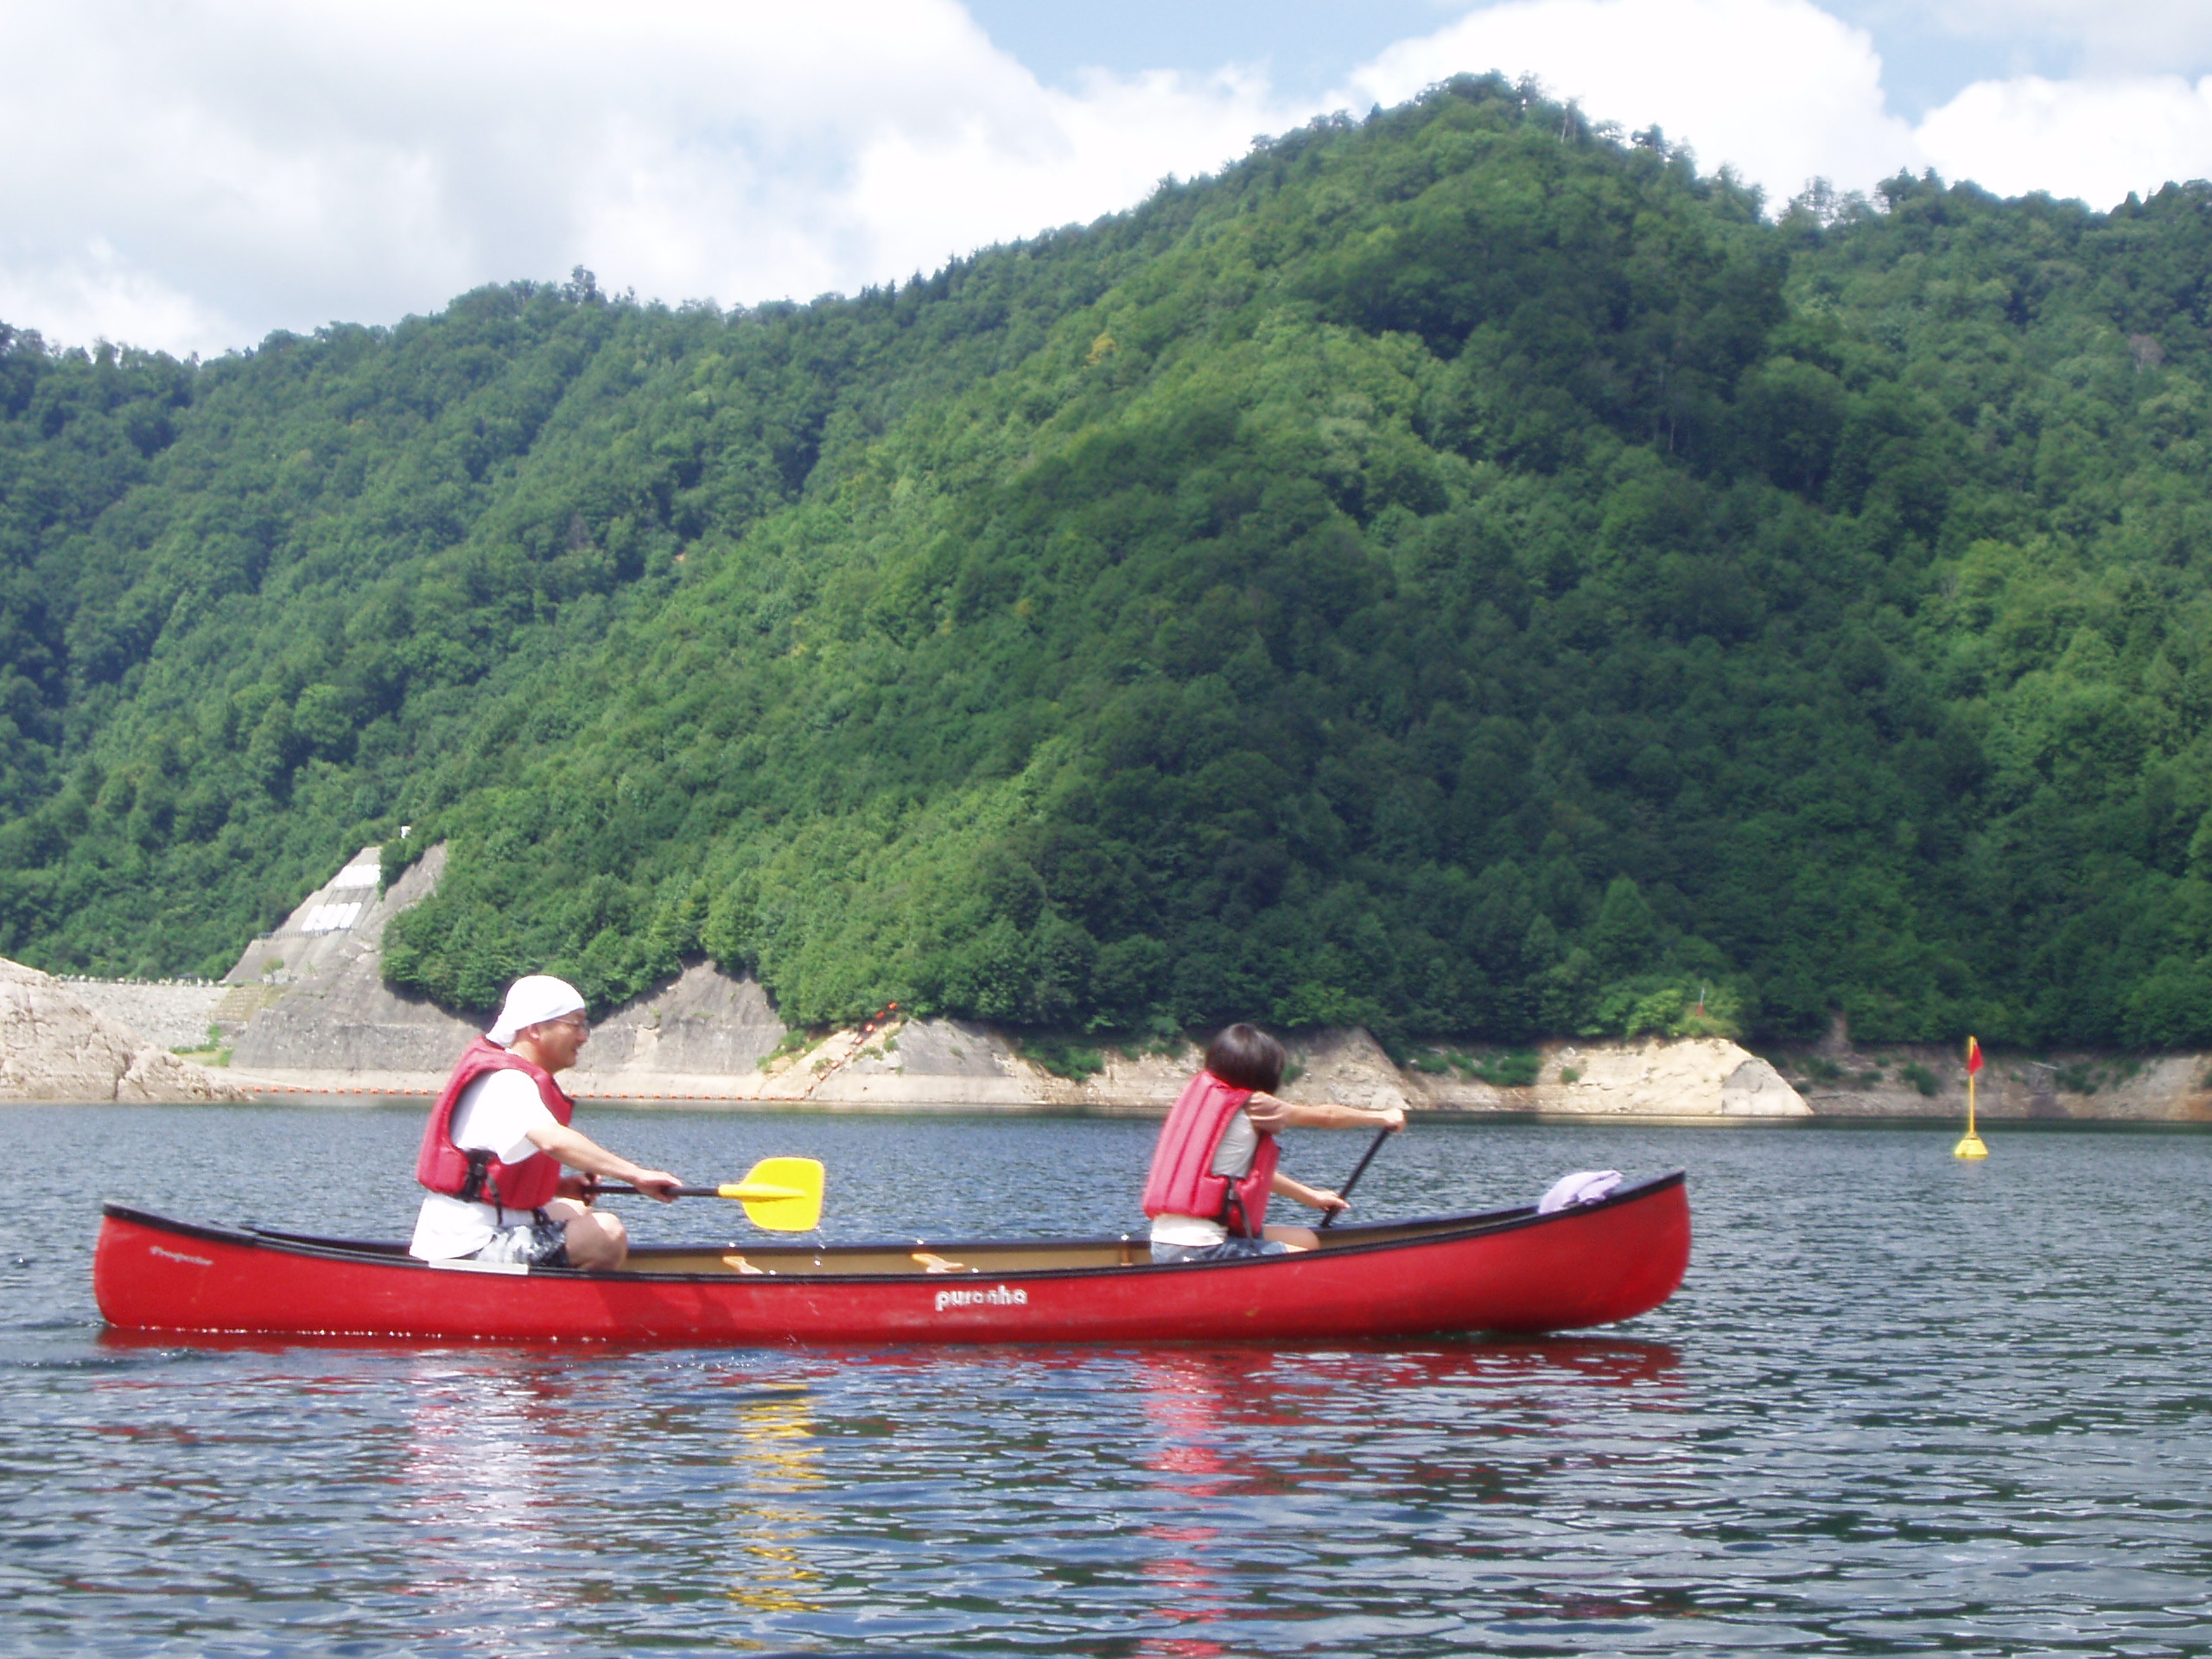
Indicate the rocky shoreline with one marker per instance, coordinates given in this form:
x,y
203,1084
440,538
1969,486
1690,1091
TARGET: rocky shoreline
x,y
956,1066
306,1011
55,1046
711,1041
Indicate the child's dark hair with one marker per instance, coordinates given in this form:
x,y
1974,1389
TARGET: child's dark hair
x,y
1244,1057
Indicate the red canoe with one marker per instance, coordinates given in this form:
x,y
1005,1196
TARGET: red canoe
x,y
1509,1271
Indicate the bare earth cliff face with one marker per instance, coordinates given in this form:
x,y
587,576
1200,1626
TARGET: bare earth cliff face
x,y
54,1047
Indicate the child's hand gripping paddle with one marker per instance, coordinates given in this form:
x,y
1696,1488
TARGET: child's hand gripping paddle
x,y
1358,1170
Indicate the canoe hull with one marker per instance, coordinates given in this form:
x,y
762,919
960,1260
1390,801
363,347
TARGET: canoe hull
x,y
1516,1272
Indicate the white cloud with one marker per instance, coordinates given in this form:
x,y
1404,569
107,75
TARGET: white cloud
x,y
1779,90
2096,140
2107,36
191,176
95,295
1074,156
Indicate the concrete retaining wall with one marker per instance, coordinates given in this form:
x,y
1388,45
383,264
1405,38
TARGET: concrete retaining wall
x,y
170,1014
331,1013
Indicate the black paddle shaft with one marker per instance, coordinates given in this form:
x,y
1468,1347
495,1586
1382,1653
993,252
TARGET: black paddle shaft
x,y
632,1193
1358,1170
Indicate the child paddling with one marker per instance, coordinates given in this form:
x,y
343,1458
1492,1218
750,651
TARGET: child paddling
x,y
1214,1167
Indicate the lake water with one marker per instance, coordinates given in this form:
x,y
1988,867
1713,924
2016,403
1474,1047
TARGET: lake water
x,y
1901,1405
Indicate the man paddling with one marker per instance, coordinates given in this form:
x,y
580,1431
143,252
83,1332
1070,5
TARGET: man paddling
x,y
494,1149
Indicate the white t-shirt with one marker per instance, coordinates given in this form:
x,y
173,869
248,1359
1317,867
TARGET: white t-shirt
x,y
496,1113
1232,1156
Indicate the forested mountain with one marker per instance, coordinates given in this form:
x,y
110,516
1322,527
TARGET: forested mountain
x,y
1456,571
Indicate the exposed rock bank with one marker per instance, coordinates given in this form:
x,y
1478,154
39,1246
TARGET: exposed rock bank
x,y
1839,1077
310,1012
942,1060
1704,1077
55,1046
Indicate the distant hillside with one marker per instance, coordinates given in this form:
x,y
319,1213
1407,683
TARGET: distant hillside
x,y
1455,572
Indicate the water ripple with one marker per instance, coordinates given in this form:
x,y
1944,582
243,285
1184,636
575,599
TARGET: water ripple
x,y
1902,1406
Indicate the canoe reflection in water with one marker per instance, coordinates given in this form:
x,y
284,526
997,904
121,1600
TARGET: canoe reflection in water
x,y
512,1477
1248,1442
483,1485
1174,1501
1182,1400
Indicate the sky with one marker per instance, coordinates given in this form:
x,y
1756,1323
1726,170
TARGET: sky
x,y
191,175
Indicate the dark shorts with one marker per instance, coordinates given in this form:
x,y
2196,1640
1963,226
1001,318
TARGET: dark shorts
x,y
1229,1249
541,1242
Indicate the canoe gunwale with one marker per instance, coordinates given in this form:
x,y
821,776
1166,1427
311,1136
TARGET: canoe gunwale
x,y
1342,1242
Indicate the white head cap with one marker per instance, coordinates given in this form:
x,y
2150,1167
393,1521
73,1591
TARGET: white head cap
x,y
532,999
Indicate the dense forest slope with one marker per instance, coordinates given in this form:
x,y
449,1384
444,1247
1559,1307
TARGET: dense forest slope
x,y
1455,572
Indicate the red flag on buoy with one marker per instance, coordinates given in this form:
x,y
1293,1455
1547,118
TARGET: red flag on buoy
x,y
1973,1057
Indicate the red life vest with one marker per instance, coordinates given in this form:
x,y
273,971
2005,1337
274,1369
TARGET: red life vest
x,y
1181,1182
477,1177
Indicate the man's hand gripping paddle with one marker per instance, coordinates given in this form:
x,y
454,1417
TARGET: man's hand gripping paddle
x,y
780,1195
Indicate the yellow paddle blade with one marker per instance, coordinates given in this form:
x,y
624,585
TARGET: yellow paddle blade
x,y
783,1195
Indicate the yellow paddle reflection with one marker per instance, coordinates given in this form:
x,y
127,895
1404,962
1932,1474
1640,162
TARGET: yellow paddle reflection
x,y
775,1456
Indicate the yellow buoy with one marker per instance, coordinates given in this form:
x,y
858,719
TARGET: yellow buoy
x,y
1970,1146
